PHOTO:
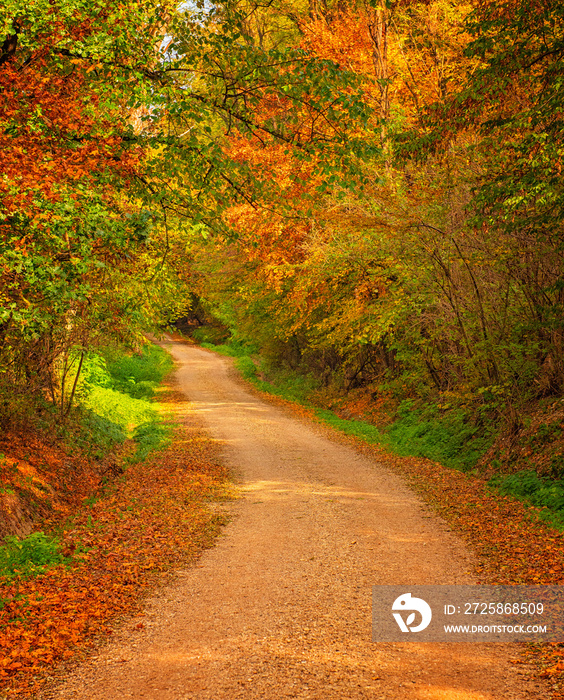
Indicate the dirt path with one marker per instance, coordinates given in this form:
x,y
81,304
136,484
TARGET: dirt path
x,y
280,608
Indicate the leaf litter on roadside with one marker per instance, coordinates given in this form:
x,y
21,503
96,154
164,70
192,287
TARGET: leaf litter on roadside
x,y
154,517
513,546
157,516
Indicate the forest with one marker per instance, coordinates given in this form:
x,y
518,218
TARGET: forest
x,y
369,191
362,201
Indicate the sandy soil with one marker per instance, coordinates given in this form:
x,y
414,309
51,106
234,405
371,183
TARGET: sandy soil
x,y
281,607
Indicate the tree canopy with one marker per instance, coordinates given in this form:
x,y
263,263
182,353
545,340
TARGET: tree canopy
x,y
372,190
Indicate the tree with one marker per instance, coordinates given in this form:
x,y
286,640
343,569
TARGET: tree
x,y
120,123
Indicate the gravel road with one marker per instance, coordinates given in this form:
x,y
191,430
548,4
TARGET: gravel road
x,y
281,607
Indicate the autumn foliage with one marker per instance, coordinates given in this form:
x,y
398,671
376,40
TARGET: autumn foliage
x,y
115,546
433,263
371,192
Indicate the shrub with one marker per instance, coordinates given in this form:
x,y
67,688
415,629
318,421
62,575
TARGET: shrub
x,y
543,492
451,439
29,556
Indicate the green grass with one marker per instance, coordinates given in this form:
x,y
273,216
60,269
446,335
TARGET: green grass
x,y
30,556
232,349
120,409
360,429
138,374
115,396
542,492
450,438
150,436
94,434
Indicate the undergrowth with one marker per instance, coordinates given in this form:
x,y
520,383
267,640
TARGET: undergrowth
x,y
114,397
542,492
138,374
450,438
28,556
116,392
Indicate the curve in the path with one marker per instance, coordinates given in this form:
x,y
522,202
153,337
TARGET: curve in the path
x,y
281,607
